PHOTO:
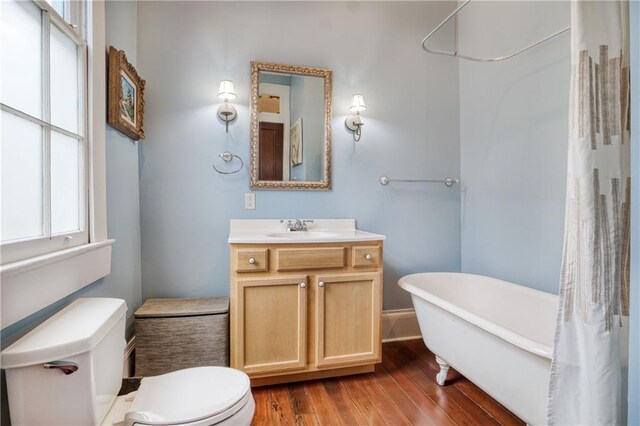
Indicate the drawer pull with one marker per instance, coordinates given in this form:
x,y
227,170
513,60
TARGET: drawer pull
x,y
321,284
252,261
303,285
367,256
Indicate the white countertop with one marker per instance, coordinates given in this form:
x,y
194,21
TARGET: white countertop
x,y
273,231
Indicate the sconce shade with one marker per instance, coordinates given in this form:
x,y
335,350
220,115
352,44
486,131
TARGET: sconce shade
x,y
357,103
353,122
226,92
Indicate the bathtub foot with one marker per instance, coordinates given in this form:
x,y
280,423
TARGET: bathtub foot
x,y
444,369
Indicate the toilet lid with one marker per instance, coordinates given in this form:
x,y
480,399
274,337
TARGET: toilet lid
x,y
187,395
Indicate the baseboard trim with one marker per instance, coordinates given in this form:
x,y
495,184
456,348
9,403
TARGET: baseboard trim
x,y
400,324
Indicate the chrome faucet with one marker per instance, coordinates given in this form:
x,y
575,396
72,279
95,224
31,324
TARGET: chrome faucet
x,y
298,225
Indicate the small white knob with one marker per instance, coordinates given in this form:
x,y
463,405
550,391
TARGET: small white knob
x,y
321,284
251,261
368,257
303,285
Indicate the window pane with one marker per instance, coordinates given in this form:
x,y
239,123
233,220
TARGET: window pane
x,y
66,184
65,110
21,152
21,56
60,6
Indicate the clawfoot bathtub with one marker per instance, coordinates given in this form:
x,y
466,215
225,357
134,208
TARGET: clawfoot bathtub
x,y
497,334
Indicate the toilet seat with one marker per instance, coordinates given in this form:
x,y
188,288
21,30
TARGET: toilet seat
x,y
193,396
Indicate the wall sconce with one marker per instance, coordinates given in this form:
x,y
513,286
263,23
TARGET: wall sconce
x,y
226,111
353,121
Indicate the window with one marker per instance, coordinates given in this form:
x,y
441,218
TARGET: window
x,y
53,216
43,144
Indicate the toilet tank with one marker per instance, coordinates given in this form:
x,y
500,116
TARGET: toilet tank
x,y
88,333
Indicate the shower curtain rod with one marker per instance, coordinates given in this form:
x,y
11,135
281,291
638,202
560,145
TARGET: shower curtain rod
x,y
473,58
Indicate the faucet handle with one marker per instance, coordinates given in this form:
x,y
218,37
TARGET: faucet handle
x,y
289,224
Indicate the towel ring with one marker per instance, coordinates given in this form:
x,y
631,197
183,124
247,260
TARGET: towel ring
x,y
227,157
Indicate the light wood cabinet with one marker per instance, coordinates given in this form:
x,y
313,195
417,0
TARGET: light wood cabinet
x,y
300,259
308,311
365,256
348,319
271,334
252,260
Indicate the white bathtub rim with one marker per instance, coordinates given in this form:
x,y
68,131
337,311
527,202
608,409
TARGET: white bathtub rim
x,y
512,337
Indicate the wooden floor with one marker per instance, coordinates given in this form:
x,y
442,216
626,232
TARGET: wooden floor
x,y
401,391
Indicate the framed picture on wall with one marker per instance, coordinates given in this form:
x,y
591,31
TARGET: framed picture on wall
x,y
296,142
125,103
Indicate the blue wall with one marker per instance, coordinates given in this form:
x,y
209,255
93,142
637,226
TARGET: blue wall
x,y
634,320
513,141
411,130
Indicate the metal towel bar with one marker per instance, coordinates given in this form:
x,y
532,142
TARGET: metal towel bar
x,y
448,181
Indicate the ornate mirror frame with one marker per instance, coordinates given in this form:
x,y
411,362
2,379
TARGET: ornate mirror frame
x,y
325,183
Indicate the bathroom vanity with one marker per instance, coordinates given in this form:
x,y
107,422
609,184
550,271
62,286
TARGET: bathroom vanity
x,y
305,303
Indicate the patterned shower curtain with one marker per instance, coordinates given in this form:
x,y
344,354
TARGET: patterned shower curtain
x,y
588,372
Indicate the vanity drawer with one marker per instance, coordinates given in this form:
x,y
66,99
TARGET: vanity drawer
x,y
363,256
252,260
296,259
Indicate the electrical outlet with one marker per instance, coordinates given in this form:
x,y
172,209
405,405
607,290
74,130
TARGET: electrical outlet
x,y
249,201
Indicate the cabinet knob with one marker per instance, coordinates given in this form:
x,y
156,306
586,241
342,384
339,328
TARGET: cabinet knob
x,y
252,261
367,256
303,285
321,284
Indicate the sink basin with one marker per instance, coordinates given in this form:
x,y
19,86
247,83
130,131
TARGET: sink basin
x,y
303,235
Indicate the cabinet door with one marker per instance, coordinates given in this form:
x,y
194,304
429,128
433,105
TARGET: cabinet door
x,y
271,332
348,309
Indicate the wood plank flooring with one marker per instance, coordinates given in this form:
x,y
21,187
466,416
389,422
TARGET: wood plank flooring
x,y
402,391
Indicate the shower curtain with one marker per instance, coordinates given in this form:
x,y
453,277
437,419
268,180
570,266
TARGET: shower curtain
x,y
588,371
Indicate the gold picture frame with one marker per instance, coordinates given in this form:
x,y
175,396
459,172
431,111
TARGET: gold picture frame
x,y
125,97
255,182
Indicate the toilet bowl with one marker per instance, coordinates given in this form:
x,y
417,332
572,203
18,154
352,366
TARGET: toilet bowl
x,y
68,371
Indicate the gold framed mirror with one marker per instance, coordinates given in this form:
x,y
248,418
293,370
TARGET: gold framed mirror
x,y
290,127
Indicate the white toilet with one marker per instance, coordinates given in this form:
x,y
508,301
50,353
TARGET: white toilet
x,y
68,371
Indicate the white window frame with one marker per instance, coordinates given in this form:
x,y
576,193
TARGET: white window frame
x,y
34,283
12,251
